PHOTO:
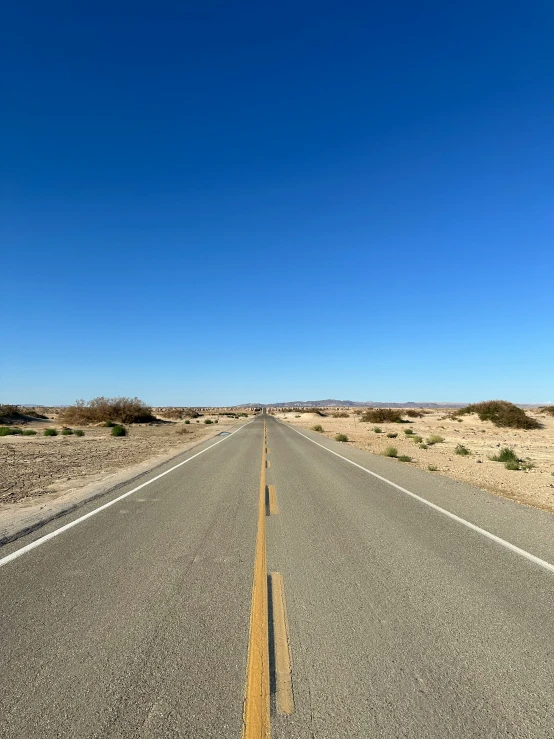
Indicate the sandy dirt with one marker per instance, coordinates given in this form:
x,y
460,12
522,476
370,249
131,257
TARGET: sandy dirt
x,y
533,487
35,466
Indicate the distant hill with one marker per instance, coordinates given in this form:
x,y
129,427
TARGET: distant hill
x,y
351,404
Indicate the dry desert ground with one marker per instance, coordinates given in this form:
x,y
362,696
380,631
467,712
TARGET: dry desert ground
x,y
534,486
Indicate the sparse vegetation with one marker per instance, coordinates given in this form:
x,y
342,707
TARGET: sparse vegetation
x,y
548,409
378,430
462,450
414,414
408,432
341,437
417,439
183,430
50,432
404,458
208,421
390,451
381,415
340,414
391,435
79,432
29,432
10,431
432,468
434,439
98,410
505,455
317,427
119,430
423,446
67,432
187,421
502,413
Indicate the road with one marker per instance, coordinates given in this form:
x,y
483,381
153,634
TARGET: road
x,y
384,616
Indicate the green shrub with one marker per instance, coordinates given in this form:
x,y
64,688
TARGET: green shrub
x,y
29,432
317,427
119,430
392,435
404,458
208,421
502,413
381,415
462,450
50,432
378,430
341,437
390,451
67,432
187,421
432,468
423,446
78,432
434,439
417,439
408,432
109,424
505,455
10,431
512,465
548,409
216,420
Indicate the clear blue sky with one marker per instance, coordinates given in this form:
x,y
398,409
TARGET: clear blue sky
x,y
220,202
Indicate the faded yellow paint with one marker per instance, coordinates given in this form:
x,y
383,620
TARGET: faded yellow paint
x,y
284,698
273,507
256,723
268,464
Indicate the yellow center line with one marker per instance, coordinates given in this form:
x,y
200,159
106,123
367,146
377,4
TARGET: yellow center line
x,y
273,507
256,699
284,698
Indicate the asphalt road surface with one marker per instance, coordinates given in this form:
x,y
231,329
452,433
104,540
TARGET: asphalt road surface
x,y
397,619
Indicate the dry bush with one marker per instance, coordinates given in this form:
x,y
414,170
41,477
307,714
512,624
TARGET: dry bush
x,y
414,414
340,414
382,415
100,410
502,413
548,409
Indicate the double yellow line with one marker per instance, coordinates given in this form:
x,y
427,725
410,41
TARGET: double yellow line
x,y
256,699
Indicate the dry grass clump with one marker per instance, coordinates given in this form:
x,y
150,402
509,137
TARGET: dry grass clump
x,y
548,409
502,413
102,410
414,414
340,414
178,414
381,415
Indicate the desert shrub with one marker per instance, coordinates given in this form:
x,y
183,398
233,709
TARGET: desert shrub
x,y
10,431
78,432
29,432
416,438
216,420
434,439
512,465
390,451
340,414
187,421
408,432
109,424
432,468
67,432
391,435
317,427
404,458
548,409
423,446
208,420
505,455
502,413
378,430
341,437
414,414
183,430
381,415
50,432
119,430
462,450
97,410
6,411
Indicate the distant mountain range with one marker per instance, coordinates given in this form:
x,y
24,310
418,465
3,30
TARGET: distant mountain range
x,y
350,404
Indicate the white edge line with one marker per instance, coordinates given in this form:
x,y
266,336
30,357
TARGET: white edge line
x,y
472,526
57,532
